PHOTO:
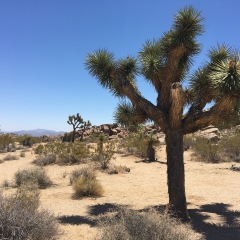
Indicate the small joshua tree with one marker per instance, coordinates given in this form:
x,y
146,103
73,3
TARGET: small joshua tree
x,y
77,122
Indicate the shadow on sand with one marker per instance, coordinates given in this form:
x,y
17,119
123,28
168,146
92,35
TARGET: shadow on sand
x,y
93,212
202,219
228,229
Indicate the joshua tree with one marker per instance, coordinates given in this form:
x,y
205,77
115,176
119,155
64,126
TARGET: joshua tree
x,y
165,64
77,123
84,126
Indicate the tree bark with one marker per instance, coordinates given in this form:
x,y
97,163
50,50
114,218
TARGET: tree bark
x,y
151,153
175,172
73,135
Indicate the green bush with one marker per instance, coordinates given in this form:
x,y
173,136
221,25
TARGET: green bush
x,y
87,187
135,144
5,140
207,152
188,142
104,153
10,157
231,146
44,160
62,153
67,137
21,219
151,225
82,172
27,140
34,175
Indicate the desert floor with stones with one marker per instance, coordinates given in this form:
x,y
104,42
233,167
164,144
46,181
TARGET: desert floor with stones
x,y
212,193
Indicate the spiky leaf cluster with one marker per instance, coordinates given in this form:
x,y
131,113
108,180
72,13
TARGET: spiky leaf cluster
x,y
128,115
123,113
225,77
186,27
151,59
207,78
100,64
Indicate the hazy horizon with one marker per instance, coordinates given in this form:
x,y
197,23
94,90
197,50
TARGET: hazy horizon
x,y
44,44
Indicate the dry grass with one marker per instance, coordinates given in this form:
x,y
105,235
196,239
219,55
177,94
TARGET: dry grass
x,y
44,160
21,219
87,172
231,146
34,175
85,184
207,152
10,157
151,225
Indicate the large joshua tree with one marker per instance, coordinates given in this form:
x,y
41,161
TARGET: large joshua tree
x,y
165,64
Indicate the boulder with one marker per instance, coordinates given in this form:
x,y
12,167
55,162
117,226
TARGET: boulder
x,y
114,132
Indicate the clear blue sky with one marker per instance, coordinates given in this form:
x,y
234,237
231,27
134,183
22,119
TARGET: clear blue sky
x,y
43,45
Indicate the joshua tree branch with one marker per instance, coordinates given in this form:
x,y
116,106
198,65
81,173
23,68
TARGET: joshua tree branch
x,y
133,94
199,120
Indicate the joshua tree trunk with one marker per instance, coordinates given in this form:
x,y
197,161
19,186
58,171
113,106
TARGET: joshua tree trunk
x,y
73,135
151,153
175,172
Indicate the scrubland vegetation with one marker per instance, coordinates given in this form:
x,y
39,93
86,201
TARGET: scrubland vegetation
x,y
226,150
89,158
21,218
135,225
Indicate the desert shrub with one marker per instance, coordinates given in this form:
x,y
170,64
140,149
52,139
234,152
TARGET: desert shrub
x,y
231,146
44,160
188,142
5,184
135,144
141,144
10,157
151,225
62,153
74,153
5,140
27,140
39,149
22,154
21,219
93,138
82,172
67,137
104,153
207,152
86,186
22,148
34,175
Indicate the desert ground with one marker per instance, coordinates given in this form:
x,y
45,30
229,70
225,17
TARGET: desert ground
x,y
212,193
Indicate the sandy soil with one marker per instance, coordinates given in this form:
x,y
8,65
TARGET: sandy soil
x,y
212,193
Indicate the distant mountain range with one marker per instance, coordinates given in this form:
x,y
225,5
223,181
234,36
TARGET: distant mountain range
x,y
37,132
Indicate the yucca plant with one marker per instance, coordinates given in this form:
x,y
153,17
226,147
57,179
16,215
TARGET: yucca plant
x,y
166,63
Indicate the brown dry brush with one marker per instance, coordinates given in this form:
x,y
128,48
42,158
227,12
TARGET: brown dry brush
x,y
20,218
133,225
